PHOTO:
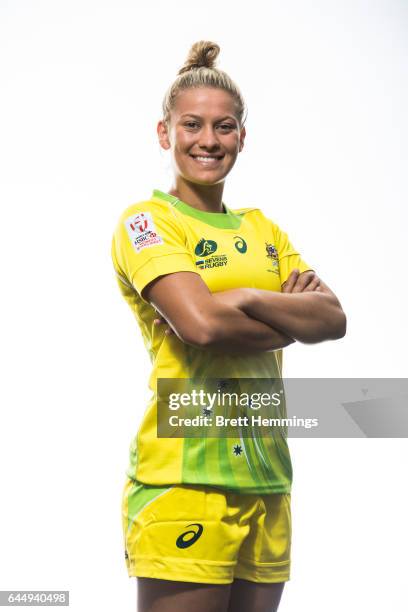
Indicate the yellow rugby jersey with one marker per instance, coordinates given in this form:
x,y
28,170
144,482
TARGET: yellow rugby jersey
x,y
240,248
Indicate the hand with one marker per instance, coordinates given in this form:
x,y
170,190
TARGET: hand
x,y
300,282
159,320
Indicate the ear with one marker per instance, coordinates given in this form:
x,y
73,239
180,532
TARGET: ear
x,y
242,138
163,135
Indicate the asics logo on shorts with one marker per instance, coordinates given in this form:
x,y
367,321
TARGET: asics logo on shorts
x,y
182,542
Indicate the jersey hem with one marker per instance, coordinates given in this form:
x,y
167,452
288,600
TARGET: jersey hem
x,y
282,490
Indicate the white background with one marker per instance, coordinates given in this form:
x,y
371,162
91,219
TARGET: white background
x,y
325,157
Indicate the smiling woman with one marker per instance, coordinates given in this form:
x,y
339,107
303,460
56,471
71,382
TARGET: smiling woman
x,y
206,521
204,144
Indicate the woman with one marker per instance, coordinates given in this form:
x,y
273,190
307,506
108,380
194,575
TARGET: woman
x,y
207,520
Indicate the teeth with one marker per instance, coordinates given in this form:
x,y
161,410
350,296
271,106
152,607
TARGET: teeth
x,y
206,158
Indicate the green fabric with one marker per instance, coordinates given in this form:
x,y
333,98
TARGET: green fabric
x,y
226,220
139,496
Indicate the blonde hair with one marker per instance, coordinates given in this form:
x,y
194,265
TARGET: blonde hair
x,y
199,71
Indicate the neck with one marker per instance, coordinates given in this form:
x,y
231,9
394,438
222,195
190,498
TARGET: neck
x,y
203,197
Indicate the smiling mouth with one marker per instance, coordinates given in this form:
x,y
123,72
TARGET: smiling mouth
x,y
207,159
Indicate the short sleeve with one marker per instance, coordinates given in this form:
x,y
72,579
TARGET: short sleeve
x,y
149,242
289,258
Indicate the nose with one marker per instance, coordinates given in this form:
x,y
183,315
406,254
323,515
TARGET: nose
x,y
208,138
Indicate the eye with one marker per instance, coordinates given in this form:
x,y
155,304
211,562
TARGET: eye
x,y
226,127
191,125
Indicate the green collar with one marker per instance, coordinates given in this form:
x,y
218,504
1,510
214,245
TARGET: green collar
x,y
226,220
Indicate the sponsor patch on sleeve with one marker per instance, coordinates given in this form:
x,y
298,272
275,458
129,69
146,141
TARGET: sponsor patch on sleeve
x,y
142,231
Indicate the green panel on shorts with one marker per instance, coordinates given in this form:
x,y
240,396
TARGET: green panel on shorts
x,y
139,496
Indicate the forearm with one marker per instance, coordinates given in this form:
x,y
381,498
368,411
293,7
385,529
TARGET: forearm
x,y
230,330
308,317
205,320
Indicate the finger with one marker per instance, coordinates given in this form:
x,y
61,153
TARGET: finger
x,y
303,281
313,285
291,282
168,331
159,319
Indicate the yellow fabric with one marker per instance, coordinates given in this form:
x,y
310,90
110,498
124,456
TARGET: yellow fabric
x,y
200,534
252,253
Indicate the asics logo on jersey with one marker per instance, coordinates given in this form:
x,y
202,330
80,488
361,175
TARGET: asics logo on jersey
x,y
205,247
182,542
240,244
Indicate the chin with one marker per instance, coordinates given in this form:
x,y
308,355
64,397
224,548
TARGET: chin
x,y
204,178
203,181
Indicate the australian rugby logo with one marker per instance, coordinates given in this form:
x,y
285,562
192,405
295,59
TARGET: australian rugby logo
x,y
207,248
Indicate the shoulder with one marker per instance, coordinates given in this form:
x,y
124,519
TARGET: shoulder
x,y
255,216
152,207
251,212
149,216
245,211
148,223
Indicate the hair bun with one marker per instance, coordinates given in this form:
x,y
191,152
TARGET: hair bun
x,y
202,54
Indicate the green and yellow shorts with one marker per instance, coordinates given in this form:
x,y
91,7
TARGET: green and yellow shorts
x,y
192,533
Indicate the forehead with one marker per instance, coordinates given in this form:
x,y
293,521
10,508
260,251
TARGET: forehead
x,y
205,101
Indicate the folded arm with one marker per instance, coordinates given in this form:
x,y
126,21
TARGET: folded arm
x,y
308,316
198,318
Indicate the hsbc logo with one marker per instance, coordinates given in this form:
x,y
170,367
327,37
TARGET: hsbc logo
x,y
142,231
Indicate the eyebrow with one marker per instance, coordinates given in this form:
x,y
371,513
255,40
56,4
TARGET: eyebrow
x,y
199,117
